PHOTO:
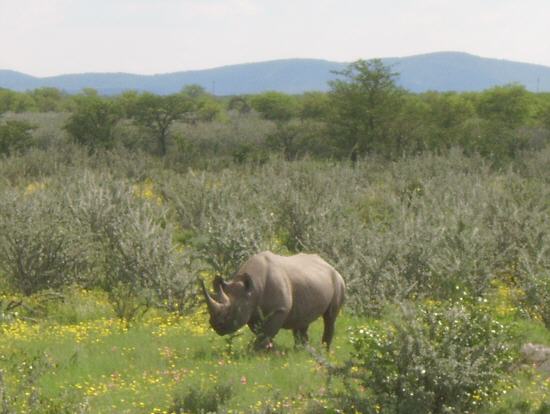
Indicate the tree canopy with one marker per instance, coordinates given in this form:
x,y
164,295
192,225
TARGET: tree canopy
x,y
93,121
363,103
157,113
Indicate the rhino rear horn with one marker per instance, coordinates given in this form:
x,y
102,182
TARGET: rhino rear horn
x,y
219,284
213,306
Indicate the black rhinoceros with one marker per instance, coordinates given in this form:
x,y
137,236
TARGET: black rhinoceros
x,y
270,292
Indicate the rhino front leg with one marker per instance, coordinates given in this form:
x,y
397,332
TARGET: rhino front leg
x,y
300,336
267,328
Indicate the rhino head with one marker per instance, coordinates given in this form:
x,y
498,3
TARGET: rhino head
x,y
231,306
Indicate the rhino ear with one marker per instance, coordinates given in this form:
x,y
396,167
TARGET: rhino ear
x,y
217,282
248,284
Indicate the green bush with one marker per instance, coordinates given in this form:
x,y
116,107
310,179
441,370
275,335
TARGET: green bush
x,y
228,243
434,359
28,396
141,264
38,250
136,259
423,227
201,400
537,295
285,140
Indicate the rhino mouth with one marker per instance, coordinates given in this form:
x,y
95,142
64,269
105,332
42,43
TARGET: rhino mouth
x,y
222,328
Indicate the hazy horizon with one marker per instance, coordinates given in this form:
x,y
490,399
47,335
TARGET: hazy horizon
x,y
240,63
165,36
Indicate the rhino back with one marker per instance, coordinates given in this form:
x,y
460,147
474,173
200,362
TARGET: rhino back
x,y
304,285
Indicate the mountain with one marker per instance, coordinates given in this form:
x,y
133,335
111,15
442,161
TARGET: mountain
x,y
462,72
441,71
18,81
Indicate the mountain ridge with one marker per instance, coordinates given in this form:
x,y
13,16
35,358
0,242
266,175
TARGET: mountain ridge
x,y
438,71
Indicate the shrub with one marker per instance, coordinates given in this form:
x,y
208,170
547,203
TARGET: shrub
x,y
427,360
140,264
537,298
227,244
201,400
137,262
249,153
27,396
37,248
284,140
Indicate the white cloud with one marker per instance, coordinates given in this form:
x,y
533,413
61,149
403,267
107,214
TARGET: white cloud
x,y
24,15
219,8
151,36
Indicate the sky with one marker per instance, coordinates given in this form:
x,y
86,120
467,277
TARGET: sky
x,y
51,37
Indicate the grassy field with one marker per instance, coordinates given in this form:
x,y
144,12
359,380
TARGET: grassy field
x,y
78,357
446,260
91,358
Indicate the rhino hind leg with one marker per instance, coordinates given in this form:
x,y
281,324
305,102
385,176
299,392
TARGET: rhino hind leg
x,y
328,332
329,319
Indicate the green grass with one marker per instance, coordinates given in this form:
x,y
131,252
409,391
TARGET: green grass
x,y
107,368
140,369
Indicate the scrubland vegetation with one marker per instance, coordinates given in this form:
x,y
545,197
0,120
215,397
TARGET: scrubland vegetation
x,y
435,208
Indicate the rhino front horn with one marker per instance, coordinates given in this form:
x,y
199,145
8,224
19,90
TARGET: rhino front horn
x,y
213,306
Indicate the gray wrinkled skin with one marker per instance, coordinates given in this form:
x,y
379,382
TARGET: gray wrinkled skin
x,y
270,292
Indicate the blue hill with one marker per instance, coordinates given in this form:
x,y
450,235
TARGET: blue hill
x,y
441,71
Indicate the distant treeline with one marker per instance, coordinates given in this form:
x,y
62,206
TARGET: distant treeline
x,y
364,113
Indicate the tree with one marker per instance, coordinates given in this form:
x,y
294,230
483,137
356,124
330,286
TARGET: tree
x,y
446,114
314,105
14,101
194,91
157,113
408,131
280,108
363,104
93,122
15,136
47,99
543,113
506,105
6,99
240,104
127,102
448,110
275,106
205,107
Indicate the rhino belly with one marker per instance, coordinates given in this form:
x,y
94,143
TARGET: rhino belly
x,y
307,307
